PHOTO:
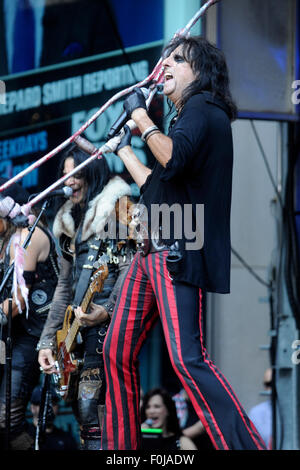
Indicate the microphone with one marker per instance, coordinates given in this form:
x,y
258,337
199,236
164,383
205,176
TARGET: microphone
x,y
123,118
149,421
20,221
66,192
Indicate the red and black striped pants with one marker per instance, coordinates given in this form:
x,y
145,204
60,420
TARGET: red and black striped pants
x,y
148,293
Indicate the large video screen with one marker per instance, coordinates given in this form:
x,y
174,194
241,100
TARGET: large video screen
x,y
78,64
259,39
39,33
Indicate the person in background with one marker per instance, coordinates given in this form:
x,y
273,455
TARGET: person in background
x,y
189,422
261,414
40,276
159,412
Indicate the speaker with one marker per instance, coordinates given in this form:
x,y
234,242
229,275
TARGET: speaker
x,y
260,42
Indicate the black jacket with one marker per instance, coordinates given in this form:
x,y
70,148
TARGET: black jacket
x,y
198,173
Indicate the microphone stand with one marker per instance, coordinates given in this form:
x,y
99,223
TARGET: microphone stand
x,y
8,354
8,359
43,412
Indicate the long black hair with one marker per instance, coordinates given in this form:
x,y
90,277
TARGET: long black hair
x,y
172,424
96,174
209,66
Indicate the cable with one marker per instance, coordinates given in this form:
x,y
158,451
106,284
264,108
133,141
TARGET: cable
x,y
118,36
289,244
291,267
288,264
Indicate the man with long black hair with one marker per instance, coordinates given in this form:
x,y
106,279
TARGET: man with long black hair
x,y
182,256
81,227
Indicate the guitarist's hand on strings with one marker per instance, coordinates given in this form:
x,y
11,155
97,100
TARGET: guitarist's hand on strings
x,y
97,314
46,361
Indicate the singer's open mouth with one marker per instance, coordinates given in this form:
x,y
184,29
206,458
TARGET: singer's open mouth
x,y
78,195
168,76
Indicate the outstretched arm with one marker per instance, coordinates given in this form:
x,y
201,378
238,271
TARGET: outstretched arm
x,y
160,145
136,168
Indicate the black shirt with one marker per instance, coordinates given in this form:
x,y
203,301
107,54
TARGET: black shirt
x,y
198,173
43,282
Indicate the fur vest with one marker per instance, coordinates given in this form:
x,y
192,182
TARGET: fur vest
x,y
97,213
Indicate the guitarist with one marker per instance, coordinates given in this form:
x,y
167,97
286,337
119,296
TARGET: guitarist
x,y
80,223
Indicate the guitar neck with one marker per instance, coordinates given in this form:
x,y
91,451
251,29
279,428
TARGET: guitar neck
x,y
87,299
72,333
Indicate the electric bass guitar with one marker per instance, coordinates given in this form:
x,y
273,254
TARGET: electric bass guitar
x,y
66,361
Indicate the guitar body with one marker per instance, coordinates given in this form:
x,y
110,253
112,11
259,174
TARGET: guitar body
x,y
68,364
68,358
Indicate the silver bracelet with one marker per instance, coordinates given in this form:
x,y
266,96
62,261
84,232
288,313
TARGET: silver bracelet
x,y
149,131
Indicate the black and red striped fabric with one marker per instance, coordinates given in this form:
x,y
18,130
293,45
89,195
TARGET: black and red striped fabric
x,y
148,293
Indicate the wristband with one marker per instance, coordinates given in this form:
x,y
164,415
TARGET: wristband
x,y
149,131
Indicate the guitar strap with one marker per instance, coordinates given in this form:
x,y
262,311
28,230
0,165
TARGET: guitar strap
x,y
87,271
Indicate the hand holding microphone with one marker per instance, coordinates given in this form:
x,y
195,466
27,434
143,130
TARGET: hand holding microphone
x,y
126,139
136,99
11,210
147,424
117,139
8,206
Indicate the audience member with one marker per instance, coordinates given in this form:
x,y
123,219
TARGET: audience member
x,y
261,414
189,422
159,412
